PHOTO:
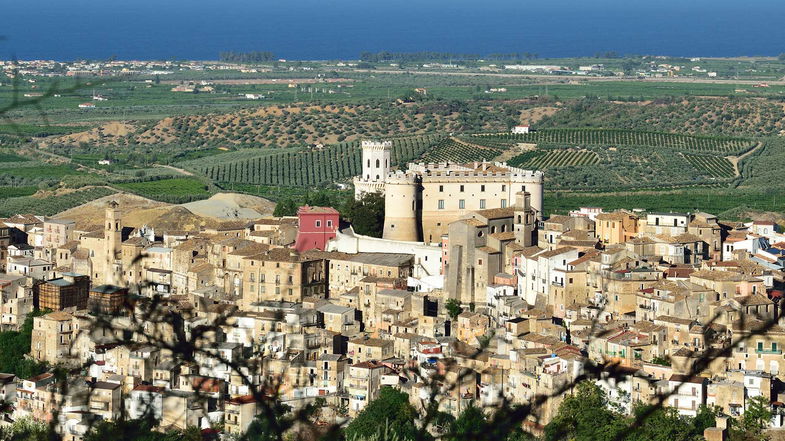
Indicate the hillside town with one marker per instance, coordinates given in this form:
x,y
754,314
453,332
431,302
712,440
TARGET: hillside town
x,y
469,284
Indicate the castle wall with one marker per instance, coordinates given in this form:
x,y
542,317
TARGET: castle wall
x,y
427,258
402,209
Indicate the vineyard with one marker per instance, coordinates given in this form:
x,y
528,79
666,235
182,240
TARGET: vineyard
x,y
454,150
543,159
615,137
302,167
713,166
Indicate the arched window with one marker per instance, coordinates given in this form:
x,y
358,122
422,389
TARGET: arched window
x,y
377,177
377,163
369,163
519,218
493,229
504,228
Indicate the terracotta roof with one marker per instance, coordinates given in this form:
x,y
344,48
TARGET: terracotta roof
x,y
556,252
614,216
497,213
507,235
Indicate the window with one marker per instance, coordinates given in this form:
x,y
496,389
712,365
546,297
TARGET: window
x,y
760,346
774,347
479,262
461,204
329,223
318,224
482,204
504,187
461,188
377,163
504,203
482,187
441,204
441,189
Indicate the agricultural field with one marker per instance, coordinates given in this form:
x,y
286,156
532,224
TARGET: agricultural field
x,y
455,150
712,165
614,137
301,167
541,159
694,115
50,204
174,190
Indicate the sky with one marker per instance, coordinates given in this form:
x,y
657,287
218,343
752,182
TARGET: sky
x,y
311,29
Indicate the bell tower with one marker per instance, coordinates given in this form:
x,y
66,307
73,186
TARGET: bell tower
x,y
524,219
112,240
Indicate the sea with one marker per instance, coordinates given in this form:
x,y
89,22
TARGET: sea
x,y
342,29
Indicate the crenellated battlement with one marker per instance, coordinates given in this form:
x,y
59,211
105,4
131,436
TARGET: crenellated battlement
x,y
375,145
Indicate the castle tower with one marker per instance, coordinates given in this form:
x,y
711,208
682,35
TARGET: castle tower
x,y
535,189
402,207
112,240
524,218
376,163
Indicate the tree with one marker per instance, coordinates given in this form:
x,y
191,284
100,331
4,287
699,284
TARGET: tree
x,y
390,413
14,345
470,424
268,426
584,416
453,308
286,207
756,418
25,429
134,430
366,215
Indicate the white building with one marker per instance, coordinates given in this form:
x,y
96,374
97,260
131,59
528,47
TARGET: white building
x,y
686,394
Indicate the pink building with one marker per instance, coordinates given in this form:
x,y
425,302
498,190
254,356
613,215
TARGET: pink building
x,y
317,226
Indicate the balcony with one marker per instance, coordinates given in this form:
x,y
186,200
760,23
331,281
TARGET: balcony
x,y
768,351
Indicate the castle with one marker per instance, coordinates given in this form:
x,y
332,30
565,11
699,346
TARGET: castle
x,y
422,201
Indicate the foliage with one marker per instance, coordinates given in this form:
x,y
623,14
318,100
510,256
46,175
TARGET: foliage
x,y
390,409
756,418
453,308
366,215
662,361
137,430
285,207
25,429
15,345
268,425
585,416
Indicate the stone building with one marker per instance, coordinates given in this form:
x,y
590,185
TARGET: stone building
x,y
422,201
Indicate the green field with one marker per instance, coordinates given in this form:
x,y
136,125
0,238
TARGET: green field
x,y
453,150
301,167
175,190
49,206
728,203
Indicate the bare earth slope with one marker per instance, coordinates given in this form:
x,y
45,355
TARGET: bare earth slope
x,y
138,211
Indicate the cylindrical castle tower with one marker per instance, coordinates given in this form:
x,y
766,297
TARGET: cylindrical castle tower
x,y
402,207
531,182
